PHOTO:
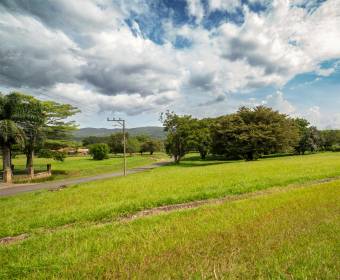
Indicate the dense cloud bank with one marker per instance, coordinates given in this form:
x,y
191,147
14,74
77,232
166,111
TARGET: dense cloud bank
x,y
97,54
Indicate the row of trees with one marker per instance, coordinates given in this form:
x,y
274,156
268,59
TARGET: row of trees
x,y
135,144
247,134
26,123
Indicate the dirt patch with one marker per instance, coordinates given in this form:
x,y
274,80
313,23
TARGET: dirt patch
x,y
12,239
58,188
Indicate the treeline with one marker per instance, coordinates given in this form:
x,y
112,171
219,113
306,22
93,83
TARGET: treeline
x,y
28,125
248,134
134,144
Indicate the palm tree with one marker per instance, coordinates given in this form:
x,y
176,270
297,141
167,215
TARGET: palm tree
x,y
10,132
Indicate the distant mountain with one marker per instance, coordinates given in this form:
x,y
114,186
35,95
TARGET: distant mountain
x,y
153,131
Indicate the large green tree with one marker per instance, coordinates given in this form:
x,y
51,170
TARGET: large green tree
x,y
252,132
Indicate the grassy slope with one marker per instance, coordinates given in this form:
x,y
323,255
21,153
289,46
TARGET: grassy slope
x,y
109,199
85,166
289,235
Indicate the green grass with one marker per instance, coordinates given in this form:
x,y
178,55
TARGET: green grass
x,y
74,167
286,235
192,180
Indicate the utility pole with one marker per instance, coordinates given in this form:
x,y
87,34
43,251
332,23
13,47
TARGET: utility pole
x,y
121,123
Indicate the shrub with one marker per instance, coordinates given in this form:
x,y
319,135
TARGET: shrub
x,y
99,151
335,148
59,156
45,153
56,155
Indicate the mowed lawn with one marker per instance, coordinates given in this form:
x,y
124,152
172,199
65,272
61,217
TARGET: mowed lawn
x,y
84,166
76,233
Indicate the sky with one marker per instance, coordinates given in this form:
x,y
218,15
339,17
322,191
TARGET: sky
x,y
137,58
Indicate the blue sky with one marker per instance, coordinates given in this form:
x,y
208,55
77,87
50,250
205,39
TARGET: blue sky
x,y
135,59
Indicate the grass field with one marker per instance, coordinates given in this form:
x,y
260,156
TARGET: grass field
x,y
75,233
74,167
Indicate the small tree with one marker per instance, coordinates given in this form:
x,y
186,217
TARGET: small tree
x,y
179,129
115,142
200,138
133,145
150,146
99,151
309,137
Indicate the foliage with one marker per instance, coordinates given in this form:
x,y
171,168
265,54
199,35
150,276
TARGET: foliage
x,y
335,148
150,146
58,125
133,145
251,133
45,153
200,138
59,144
99,151
30,121
309,137
248,133
59,156
179,130
56,155
116,142
330,138
95,139
11,133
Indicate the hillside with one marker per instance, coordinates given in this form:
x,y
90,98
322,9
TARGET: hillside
x,y
153,131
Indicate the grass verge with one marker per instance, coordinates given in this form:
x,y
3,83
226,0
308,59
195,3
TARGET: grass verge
x,y
76,167
287,235
190,181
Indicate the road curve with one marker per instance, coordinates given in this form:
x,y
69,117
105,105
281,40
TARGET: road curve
x,y
9,190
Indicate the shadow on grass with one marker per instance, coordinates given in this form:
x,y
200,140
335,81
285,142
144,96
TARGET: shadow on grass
x,y
196,161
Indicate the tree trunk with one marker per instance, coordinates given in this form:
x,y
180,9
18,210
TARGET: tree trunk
x,y
6,163
203,154
29,162
6,157
250,156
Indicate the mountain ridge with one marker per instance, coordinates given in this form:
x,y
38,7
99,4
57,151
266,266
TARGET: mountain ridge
x,y
152,131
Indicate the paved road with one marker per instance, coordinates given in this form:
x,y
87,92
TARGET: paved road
x,y
8,190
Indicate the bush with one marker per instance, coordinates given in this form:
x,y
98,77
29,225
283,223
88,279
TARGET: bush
x,y
56,155
44,153
335,148
59,156
99,151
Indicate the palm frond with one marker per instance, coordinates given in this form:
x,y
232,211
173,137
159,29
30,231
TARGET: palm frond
x,y
10,132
